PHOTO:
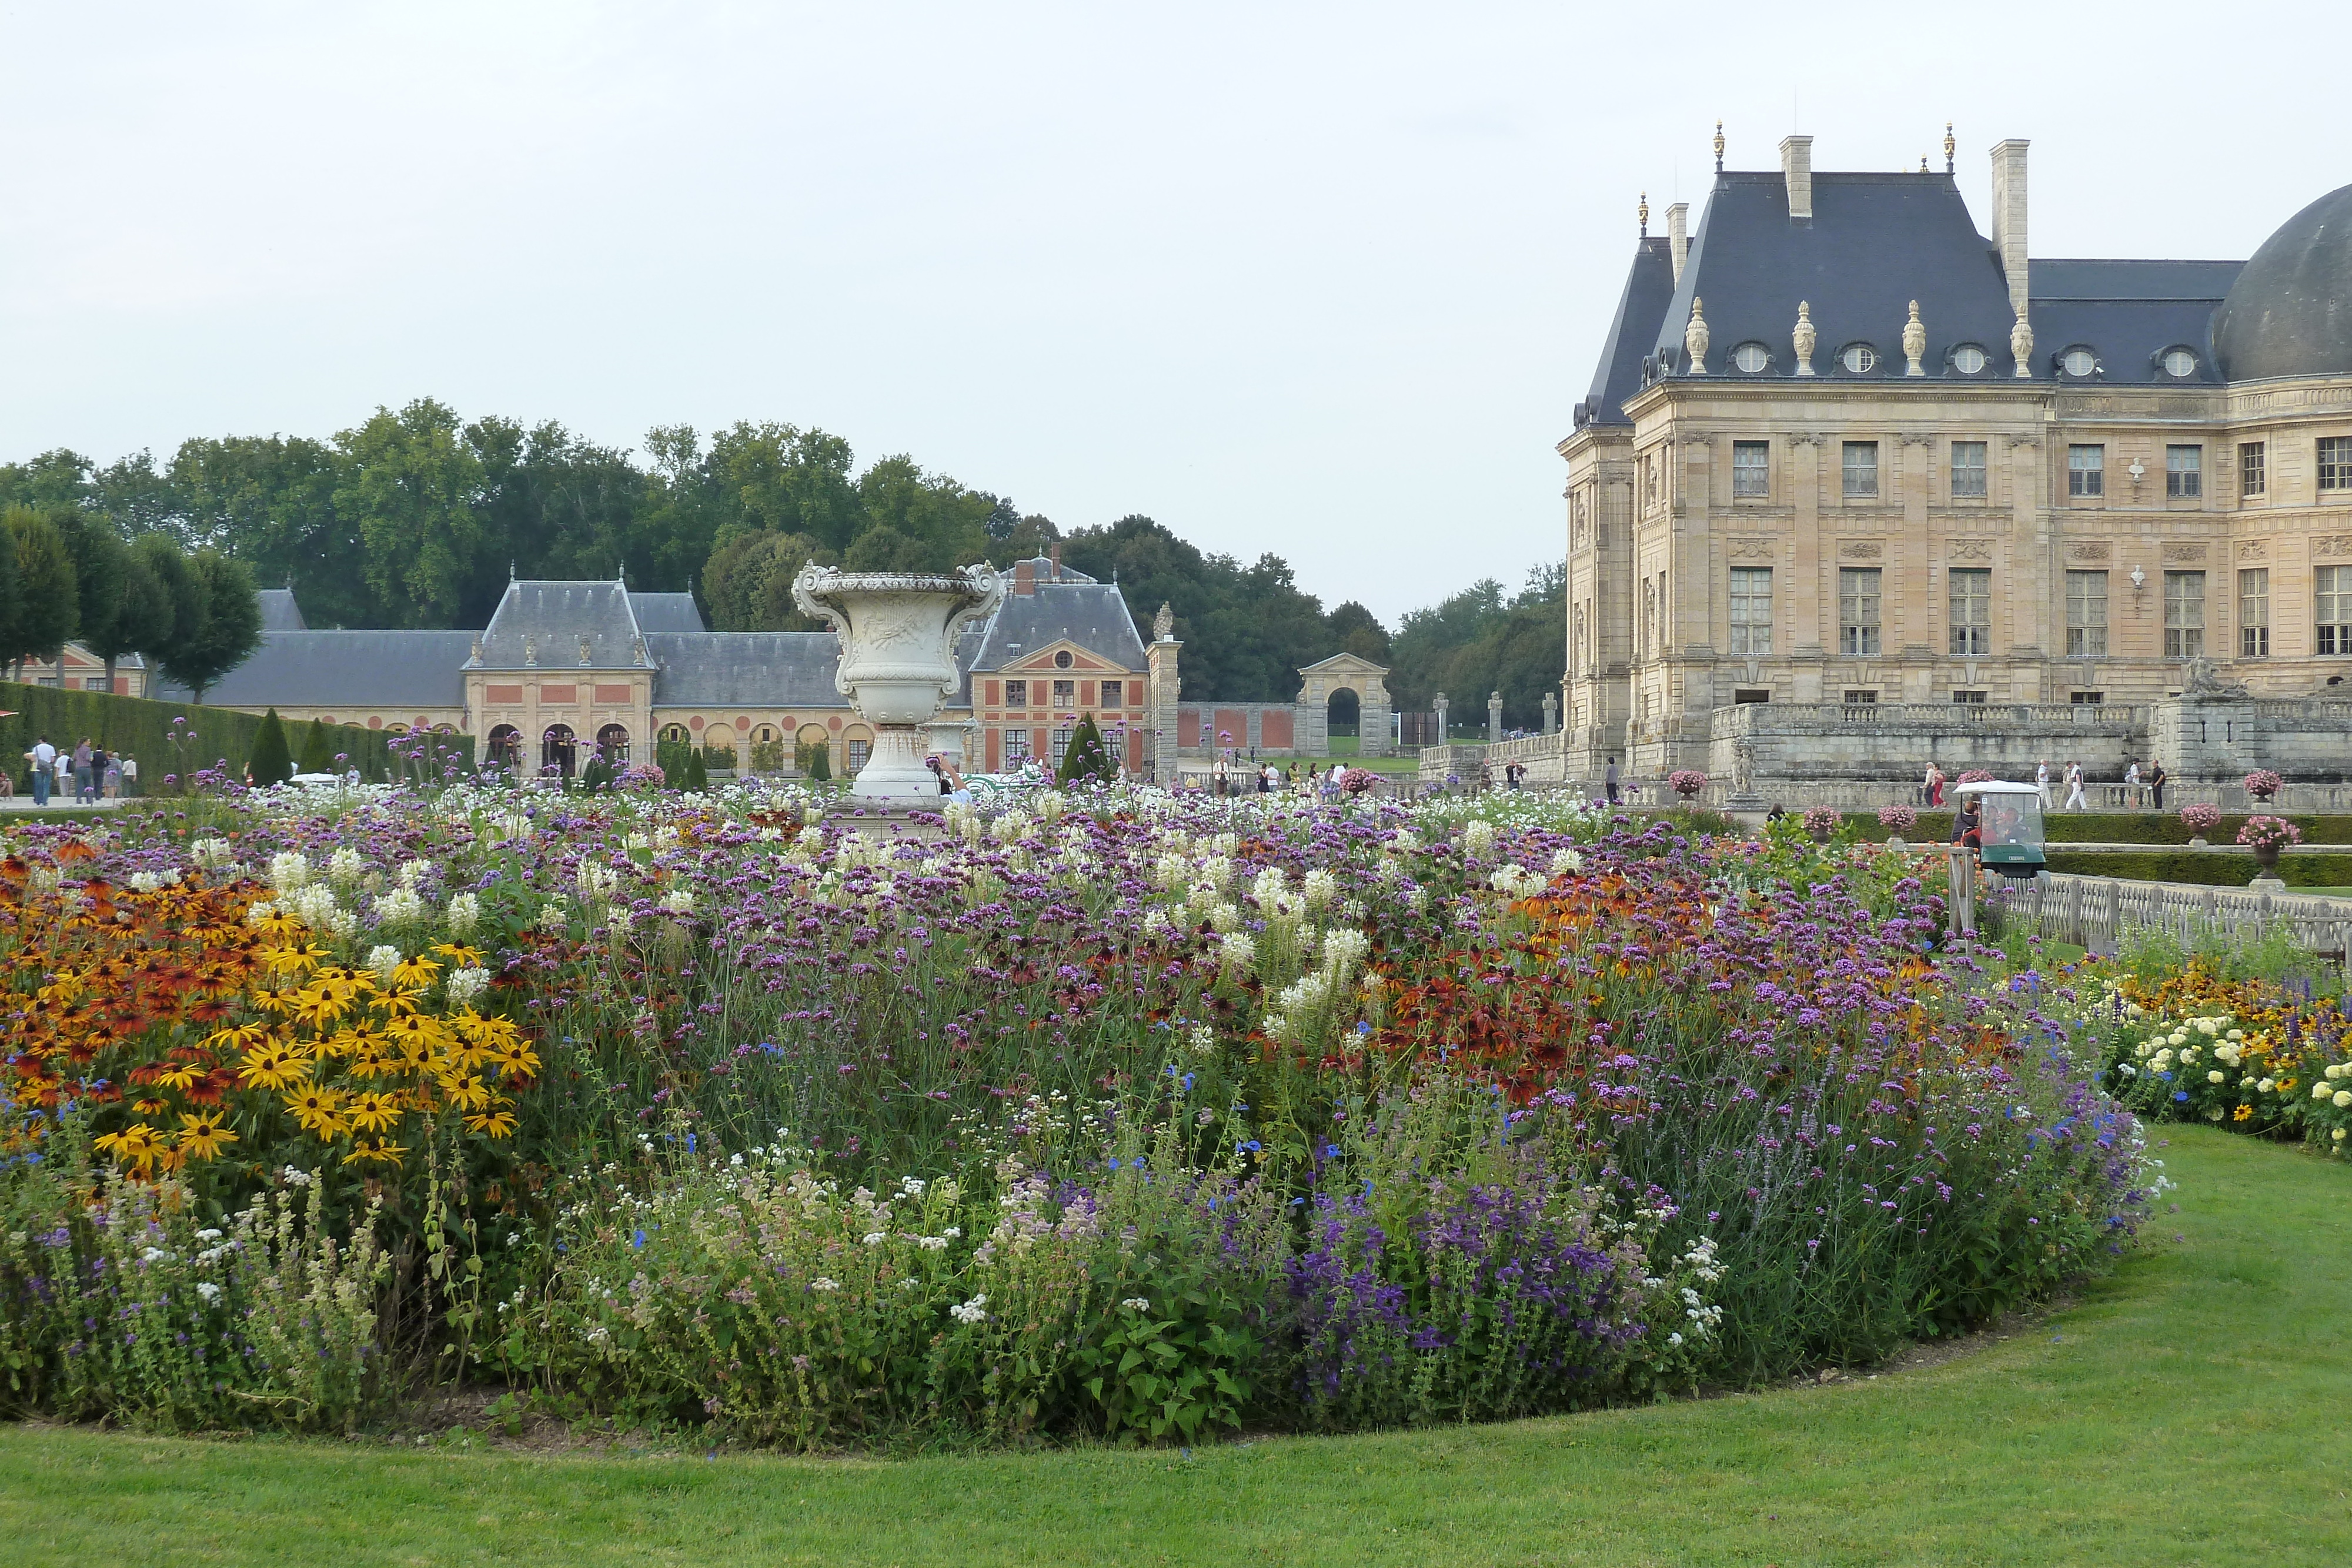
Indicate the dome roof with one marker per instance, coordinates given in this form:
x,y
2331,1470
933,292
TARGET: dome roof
x,y
2290,311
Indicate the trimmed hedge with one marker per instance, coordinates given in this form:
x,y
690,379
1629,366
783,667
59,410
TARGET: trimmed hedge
x,y
2214,867
2111,828
143,728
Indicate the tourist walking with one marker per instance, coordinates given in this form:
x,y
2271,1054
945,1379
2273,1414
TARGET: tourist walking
x,y
2132,796
1935,785
1608,780
84,784
109,777
1512,773
2074,801
2042,782
65,771
44,758
2156,778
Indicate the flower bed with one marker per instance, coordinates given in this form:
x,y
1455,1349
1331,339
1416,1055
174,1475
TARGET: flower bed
x,y
1122,1113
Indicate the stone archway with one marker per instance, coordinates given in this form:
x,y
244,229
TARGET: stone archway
x,y
1319,682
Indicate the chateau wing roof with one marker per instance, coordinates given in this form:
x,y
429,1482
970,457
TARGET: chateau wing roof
x,y
1092,614
331,670
1874,243
279,612
744,669
553,616
666,612
1649,288
2128,313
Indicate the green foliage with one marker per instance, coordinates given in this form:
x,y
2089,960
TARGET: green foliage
x,y
318,754
2215,867
1085,757
217,627
1478,642
48,603
145,729
695,777
597,778
270,762
815,760
767,756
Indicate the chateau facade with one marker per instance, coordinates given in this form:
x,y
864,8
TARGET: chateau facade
x,y
1843,451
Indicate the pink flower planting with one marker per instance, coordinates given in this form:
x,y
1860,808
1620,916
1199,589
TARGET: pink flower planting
x,y
2268,832
2200,819
1897,819
1687,782
2262,783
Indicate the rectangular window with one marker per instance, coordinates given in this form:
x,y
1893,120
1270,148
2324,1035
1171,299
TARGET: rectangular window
x,y
1065,693
1752,694
1972,611
2254,613
2334,607
1860,699
1114,693
1969,696
2252,469
1016,694
93,683
1967,470
859,750
2086,614
1061,744
1862,469
1751,610
1752,469
2335,462
1858,610
2184,471
2184,614
2088,699
1017,747
2086,470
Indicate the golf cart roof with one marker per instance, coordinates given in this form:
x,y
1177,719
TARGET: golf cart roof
x,y
1996,786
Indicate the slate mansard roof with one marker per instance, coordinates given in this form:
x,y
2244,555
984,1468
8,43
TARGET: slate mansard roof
x,y
540,623
1873,244
1067,604
386,670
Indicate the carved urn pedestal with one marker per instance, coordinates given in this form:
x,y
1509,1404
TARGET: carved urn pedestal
x,y
897,633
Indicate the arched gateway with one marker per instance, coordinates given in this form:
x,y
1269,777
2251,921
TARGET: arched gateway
x,y
1348,673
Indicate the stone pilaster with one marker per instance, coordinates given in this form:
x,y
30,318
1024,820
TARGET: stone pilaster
x,y
1161,687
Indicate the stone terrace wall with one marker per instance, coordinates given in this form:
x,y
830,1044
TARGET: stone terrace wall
x,y
1893,742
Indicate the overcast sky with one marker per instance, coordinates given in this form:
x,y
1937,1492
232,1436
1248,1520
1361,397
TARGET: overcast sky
x,y
1323,280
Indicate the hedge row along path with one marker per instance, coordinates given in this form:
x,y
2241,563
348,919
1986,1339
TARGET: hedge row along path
x,y
2190,1410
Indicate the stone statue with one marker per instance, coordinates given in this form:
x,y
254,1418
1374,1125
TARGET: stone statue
x,y
1163,625
1694,338
2020,345
2204,684
1743,766
530,653
1914,342
1804,336
478,652
637,648
584,655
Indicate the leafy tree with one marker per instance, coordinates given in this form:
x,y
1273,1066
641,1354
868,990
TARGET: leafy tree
x,y
48,600
269,763
1085,757
318,748
12,597
102,565
1479,641
748,582
141,617
183,594
227,628
411,491
1359,632
270,501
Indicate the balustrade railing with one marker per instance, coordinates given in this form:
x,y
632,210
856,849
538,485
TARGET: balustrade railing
x,y
2094,911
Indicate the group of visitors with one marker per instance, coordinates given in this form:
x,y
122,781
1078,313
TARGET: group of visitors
x,y
2141,788
1312,780
89,771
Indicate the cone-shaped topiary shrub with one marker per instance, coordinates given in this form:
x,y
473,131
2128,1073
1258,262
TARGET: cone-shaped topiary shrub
x,y
271,762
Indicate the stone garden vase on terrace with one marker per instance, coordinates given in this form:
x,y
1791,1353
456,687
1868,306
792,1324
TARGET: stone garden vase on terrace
x,y
897,633
2266,856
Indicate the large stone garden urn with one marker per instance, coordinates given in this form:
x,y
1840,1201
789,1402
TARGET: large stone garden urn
x,y
897,633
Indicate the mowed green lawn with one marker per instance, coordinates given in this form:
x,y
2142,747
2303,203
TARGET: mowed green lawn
x,y
2196,1408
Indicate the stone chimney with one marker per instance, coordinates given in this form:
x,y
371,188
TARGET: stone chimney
x,y
1678,235
1797,168
1055,554
1025,578
2009,215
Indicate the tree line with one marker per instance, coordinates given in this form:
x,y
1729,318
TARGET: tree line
x,y
69,573
1486,639
416,518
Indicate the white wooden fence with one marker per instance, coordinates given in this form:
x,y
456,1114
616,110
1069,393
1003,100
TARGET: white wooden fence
x,y
2094,911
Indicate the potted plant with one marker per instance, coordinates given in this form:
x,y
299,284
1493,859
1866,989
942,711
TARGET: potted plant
x,y
2199,819
2267,836
2261,784
1823,822
1897,820
1687,783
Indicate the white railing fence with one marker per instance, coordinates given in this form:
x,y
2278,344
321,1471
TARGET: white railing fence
x,y
2094,911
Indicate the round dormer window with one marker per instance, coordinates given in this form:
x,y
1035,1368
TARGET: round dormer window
x,y
1751,356
1967,358
2179,363
1859,358
2078,362
1062,660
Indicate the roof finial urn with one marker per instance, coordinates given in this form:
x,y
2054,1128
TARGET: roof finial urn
x,y
530,653
584,655
2020,345
1950,147
1914,342
1644,212
1804,336
1718,147
1694,338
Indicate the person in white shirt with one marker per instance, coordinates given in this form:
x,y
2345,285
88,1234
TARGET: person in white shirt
x,y
2074,801
2131,784
130,774
2042,782
65,771
44,758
